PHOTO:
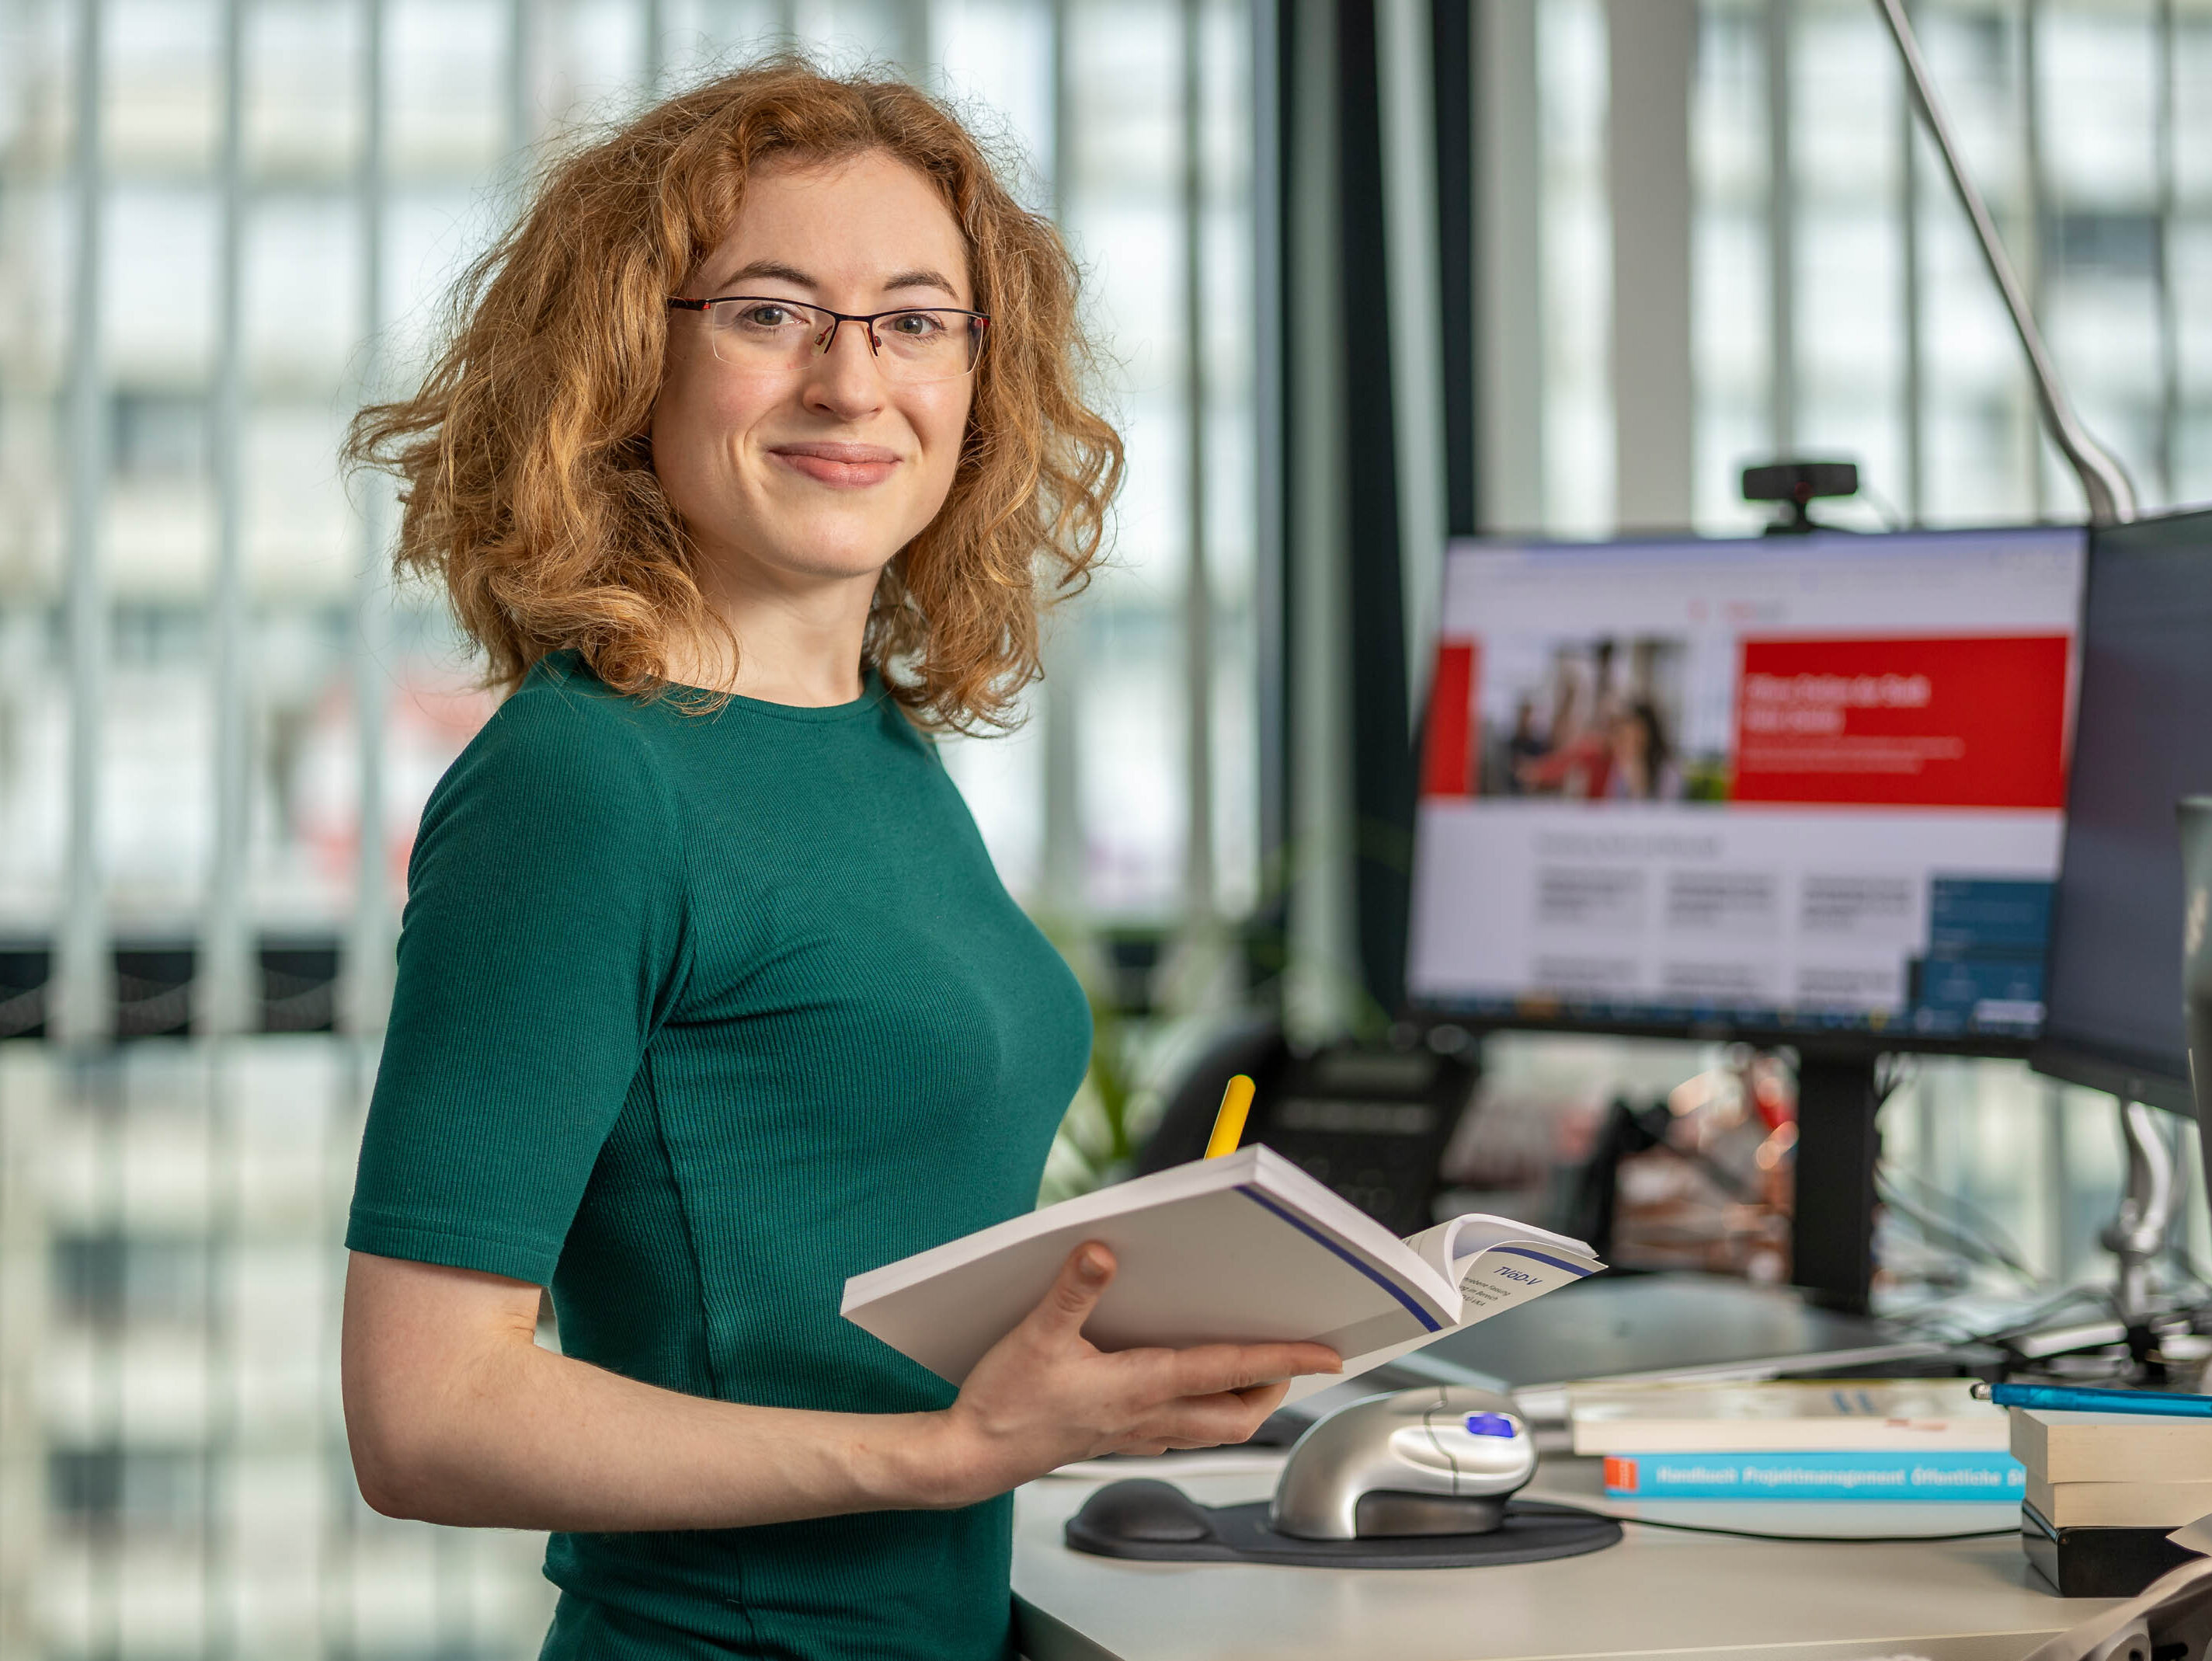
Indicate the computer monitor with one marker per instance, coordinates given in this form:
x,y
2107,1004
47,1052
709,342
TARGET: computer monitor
x,y
1775,789
2143,741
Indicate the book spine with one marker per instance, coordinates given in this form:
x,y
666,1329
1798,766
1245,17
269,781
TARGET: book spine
x,y
1963,1476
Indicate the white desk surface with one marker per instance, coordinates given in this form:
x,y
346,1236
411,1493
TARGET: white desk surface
x,y
1660,1593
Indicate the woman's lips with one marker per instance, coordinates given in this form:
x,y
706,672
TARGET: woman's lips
x,y
838,463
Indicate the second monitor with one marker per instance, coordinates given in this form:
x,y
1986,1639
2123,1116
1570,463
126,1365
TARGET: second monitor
x,y
1774,787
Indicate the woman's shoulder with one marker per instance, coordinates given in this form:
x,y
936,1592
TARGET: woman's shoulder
x,y
562,736
555,804
562,710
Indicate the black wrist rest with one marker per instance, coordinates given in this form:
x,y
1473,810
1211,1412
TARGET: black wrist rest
x,y
1533,1530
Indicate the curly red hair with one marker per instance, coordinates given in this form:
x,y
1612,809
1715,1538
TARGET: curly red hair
x,y
530,496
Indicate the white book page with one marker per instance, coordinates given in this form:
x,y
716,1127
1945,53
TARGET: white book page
x,y
1447,1247
1497,1264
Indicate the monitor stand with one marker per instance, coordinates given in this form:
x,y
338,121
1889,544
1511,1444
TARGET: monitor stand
x,y
1832,1227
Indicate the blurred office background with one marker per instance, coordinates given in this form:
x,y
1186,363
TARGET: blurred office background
x,y
1371,271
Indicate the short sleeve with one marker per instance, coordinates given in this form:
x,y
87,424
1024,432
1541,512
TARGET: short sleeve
x,y
542,942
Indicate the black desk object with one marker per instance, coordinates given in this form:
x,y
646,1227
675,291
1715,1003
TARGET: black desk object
x,y
2098,1562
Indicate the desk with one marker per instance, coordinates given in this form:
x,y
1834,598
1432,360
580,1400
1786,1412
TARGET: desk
x,y
1660,1593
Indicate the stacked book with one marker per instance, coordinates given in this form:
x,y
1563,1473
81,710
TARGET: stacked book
x,y
1896,1438
2104,1491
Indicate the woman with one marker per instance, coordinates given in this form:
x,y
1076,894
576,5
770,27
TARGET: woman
x,y
1643,767
708,995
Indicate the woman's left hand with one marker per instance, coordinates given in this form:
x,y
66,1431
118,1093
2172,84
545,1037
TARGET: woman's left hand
x,y
1044,1395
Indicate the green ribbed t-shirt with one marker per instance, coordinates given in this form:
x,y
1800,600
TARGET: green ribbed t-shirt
x,y
698,1014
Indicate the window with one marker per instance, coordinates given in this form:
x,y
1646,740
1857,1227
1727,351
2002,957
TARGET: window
x,y
223,223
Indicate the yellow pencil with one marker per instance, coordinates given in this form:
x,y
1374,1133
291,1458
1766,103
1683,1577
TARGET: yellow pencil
x,y
1229,1122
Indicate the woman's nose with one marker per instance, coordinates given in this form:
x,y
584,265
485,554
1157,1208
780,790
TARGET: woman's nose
x,y
844,375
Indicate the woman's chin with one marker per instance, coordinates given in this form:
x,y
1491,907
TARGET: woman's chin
x,y
805,555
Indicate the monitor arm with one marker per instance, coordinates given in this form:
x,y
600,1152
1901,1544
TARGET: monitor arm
x,y
2138,1236
2105,483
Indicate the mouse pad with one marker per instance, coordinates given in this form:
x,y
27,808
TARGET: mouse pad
x,y
1533,1530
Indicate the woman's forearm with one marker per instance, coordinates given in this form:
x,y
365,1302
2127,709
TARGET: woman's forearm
x,y
456,1415
531,1440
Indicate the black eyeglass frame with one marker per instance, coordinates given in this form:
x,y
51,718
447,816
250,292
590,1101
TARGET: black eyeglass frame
x,y
979,322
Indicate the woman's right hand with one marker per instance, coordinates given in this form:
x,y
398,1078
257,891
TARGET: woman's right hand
x,y
1043,1396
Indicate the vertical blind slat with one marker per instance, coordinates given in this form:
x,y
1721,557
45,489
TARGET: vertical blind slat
x,y
84,1002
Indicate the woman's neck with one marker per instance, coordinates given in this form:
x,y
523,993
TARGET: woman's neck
x,y
795,643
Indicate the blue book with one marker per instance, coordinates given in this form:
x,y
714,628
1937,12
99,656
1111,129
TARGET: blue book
x,y
1983,1475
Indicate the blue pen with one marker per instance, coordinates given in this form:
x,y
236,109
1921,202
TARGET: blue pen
x,y
2077,1398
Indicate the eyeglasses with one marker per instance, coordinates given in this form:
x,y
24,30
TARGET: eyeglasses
x,y
910,345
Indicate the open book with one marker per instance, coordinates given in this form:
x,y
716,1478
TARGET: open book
x,y
1245,1248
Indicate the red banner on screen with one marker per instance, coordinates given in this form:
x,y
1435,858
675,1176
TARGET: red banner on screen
x,y
1978,722
1448,756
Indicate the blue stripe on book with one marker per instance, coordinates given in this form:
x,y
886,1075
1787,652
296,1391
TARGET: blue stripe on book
x,y
1523,1251
1367,1269
1982,1474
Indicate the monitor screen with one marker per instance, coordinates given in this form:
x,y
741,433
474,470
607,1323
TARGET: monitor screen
x,y
2144,742
1793,784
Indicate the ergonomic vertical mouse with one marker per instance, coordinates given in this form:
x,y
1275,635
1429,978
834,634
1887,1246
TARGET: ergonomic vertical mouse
x,y
1439,1460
